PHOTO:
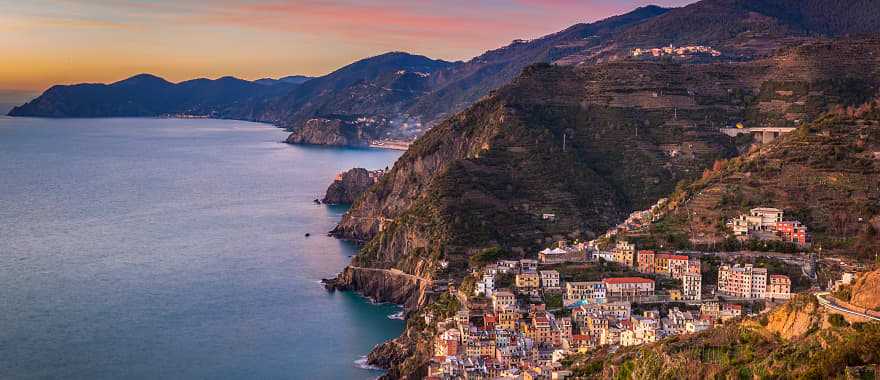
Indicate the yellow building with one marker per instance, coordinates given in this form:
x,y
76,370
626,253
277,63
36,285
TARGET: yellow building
x,y
528,280
507,319
624,253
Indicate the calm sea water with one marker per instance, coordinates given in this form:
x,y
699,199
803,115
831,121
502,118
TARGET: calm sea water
x,y
148,248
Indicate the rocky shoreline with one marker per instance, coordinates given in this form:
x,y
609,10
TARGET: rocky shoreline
x,y
350,185
388,285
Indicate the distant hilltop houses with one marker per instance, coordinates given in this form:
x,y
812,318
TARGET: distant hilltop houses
x,y
766,223
680,51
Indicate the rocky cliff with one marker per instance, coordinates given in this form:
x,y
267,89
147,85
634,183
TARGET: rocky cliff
x,y
385,285
334,132
866,291
796,318
587,145
350,185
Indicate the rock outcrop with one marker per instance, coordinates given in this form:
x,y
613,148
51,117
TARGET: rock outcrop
x,y
384,285
334,132
350,185
796,317
866,291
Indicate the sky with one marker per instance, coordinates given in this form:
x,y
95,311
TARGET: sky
x,y
45,42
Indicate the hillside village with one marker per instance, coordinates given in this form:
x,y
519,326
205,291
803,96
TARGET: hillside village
x,y
519,318
523,318
565,216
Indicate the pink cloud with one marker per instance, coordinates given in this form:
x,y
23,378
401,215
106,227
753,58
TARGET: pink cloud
x,y
362,22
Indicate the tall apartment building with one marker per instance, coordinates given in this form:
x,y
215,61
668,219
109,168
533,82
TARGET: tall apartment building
x,y
692,286
645,261
742,281
624,253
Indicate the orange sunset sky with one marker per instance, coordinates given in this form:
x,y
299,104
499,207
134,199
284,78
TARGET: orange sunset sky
x,y
47,42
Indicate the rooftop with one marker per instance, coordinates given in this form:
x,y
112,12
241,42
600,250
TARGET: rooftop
x,y
628,280
766,209
672,257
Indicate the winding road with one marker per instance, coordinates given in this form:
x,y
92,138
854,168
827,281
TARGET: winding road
x,y
830,304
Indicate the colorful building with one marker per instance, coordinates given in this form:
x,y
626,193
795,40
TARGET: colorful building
x,y
645,261
629,287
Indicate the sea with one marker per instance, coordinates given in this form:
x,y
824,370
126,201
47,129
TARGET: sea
x,y
139,248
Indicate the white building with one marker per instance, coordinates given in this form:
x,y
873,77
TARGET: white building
x,y
769,216
692,286
486,285
549,279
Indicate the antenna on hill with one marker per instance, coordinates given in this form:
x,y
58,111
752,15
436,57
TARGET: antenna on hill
x,y
563,142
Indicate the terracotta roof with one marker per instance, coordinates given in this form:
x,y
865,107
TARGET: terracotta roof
x,y
672,257
628,280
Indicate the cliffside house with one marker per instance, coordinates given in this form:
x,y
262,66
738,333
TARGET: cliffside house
x,y
692,286
528,281
502,300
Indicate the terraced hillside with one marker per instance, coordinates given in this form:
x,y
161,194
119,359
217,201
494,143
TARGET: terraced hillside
x,y
559,140
589,145
825,174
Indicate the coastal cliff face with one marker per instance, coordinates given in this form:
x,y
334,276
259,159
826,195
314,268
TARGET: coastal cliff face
x,y
384,285
350,185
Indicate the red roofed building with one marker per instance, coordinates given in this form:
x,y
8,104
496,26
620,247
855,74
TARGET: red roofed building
x,y
489,321
629,287
581,343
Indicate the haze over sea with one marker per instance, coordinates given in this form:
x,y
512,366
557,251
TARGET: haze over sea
x,y
161,248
